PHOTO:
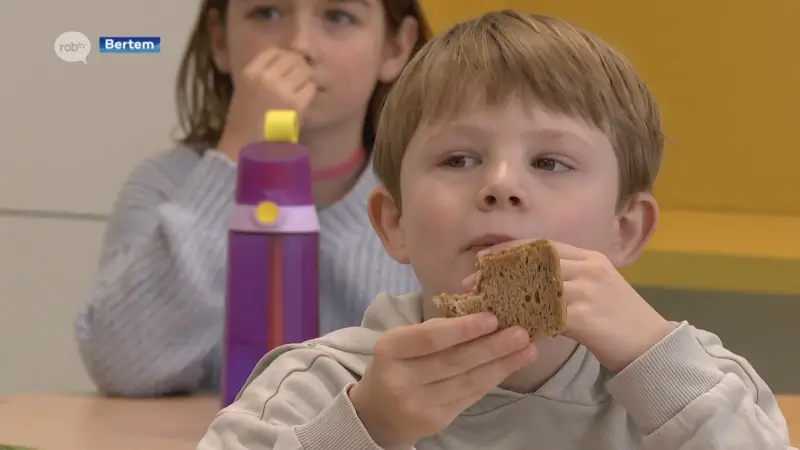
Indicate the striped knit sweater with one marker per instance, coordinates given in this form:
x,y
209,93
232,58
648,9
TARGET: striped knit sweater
x,y
153,323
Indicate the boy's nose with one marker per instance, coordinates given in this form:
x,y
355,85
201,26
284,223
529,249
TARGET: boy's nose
x,y
491,200
502,190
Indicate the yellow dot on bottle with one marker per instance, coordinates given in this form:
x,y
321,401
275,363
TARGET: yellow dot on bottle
x,y
267,212
280,125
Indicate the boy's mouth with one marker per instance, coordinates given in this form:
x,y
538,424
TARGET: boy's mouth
x,y
487,241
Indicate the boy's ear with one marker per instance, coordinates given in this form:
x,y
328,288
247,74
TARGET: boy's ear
x,y
398,50
219,41
635,226
386,220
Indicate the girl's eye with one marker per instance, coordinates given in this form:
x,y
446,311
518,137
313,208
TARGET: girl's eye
x,y
339,17
550,165
459,161
267,12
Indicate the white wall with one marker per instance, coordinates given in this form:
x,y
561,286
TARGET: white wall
x,y
69,136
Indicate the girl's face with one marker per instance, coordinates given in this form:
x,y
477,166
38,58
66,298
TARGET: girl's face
x,y
345,42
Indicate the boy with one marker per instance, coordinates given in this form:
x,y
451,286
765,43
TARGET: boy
x,y
509,127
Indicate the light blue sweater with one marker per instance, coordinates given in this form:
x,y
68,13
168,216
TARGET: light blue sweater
x,y
153,323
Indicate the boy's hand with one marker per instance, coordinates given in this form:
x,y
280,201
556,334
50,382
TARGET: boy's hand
x,y
604,312
422,376
274,79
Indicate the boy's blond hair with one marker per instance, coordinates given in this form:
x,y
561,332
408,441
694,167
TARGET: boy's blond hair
x,y
542,60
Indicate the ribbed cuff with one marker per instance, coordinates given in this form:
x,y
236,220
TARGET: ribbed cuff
x,y
337,427
663,381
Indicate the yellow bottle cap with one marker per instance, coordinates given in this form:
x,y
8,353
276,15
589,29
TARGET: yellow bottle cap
x,y
267,213
280,125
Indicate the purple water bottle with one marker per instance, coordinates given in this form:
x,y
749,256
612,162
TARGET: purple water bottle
x,y
272,291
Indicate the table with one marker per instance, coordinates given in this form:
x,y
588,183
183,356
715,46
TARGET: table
x,y
88,422
790,405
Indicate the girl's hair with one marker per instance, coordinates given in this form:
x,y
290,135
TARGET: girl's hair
x,y
204,93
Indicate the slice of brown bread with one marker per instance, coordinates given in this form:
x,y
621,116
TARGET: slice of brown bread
x,y
521,285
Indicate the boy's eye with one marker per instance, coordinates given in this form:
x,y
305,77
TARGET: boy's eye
x,y
459,161
266,12
550,165
339,17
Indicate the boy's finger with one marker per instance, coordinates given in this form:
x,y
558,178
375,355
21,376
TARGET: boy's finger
x,y
433,336
465,357
569,252
470,281
571,270
461,391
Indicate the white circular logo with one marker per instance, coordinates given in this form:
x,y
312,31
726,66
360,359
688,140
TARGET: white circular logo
x,y
72,46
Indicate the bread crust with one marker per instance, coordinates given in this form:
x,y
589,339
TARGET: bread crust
x,y
520,285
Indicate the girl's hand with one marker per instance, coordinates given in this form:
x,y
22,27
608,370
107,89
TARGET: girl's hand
x,y
274,79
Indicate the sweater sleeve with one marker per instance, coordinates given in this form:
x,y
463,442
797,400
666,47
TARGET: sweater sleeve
x,y
690,393
299,401
153,321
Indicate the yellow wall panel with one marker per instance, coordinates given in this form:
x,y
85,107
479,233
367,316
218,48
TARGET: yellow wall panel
x,y
727,75
443,13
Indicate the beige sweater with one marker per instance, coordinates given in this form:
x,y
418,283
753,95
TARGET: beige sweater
x,y
686,393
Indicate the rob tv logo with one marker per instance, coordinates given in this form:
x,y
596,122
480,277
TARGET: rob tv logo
x,y
74,46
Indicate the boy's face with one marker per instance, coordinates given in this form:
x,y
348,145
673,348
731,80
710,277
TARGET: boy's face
x,y
506,173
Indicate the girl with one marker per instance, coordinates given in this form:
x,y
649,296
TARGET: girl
x,y
153,323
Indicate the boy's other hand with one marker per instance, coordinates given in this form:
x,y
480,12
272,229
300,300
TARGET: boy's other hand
x,y
423,376
274,79
604,312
